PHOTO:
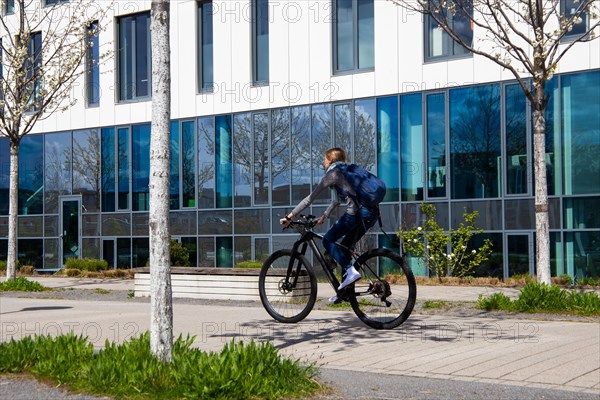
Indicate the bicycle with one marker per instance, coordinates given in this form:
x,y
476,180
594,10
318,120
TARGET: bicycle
x,y
288,286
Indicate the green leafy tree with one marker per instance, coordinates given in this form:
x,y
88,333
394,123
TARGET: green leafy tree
x,y
446,251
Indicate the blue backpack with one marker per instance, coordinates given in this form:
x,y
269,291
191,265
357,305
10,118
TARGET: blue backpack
x,y
370,190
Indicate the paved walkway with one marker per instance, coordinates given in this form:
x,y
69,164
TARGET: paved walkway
x,y
500,350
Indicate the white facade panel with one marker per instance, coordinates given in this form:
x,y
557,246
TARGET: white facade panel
x,y
297,90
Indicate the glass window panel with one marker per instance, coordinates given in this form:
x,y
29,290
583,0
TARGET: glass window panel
x,y
188,163
365,134
31,175
581,131
183,223
556,254
301,154
489,218
242,159
519,214
461,24
134,56
261,249
92,60
366,35
140,167
174,167
436,145
516,140
582,213
214,222
582,253
206,163
108,169
255,221
9,7
344,35
116,224
243,249
569,9
33,64
3,227
411,133
262,178
554,213
123,152
387,145
57,166
518,254
141,252
342,128
412,216
224,252
281,166
475,142
30,226
90,225
205,32
494,266
439,44
90,248
123,253
142,55
30,252
4,175
206,252
321,141
390,217
189,243
553,145
140,224
125,59
86,168
224,169
261,40
51,253
50,225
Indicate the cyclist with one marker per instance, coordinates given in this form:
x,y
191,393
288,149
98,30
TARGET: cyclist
x,y
352,225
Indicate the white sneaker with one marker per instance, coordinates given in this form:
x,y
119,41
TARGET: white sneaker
x,y
352,275
333,299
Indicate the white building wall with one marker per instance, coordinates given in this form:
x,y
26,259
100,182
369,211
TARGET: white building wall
x,y
300,63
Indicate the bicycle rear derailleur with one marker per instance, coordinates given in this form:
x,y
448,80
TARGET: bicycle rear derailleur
x,y
382,290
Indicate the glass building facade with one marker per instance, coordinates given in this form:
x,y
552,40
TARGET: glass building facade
x,y
85,193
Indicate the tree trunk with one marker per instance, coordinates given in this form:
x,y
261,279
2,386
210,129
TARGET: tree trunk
x,y
161,324
541,187
13,202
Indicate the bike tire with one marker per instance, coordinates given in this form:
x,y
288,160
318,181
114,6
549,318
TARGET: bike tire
x,y
371,308
280,298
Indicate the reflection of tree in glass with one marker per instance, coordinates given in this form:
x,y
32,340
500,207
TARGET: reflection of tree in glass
x,y
261,158
86,167
206,170
57,168
365,138
475,136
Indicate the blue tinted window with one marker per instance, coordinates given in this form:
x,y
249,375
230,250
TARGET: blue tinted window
x,y
108,169
575,9
188,163
553,146
353,35
4,175
9,7
262,162
33,63
223,160
86,168
436,146
205,41
581,132
134,56
516,140
387,145
242,159
174,179
123,153
280,156
224,252
260,40
342,128
437,43
31,175
206,162
57,167
301,155
321,141
411,131
365,134
475,141
140,168
92,65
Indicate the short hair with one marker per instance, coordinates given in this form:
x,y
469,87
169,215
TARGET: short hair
x,y
336,154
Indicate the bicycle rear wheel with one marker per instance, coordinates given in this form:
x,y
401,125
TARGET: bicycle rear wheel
x,y
375,301
287,297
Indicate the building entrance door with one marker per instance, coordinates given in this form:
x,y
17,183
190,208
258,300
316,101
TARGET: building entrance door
x,y
70,228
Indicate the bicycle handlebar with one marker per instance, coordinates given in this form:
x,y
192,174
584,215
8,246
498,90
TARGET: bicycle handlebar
x,y
305,221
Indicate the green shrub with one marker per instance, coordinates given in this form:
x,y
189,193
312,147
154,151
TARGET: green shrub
x,y
434,304
180,256
128,370
71,272
3,265
566,279
86,264
536,297
21,284
587,281
249,264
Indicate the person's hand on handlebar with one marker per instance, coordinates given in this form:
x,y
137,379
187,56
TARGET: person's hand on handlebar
x,y
286,221
321,219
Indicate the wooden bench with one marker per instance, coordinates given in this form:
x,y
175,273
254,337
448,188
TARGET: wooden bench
x,y
210,283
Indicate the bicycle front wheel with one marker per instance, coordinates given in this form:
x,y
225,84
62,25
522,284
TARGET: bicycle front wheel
x,y
376,302
288,294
